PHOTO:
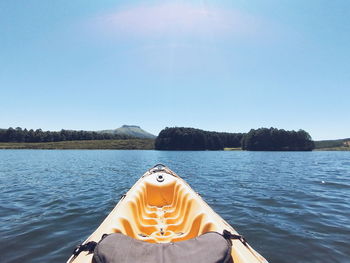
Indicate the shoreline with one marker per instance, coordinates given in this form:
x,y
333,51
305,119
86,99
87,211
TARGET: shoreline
x,y
128,144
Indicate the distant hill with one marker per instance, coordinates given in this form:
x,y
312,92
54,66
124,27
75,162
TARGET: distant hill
x,y
131,130
340,144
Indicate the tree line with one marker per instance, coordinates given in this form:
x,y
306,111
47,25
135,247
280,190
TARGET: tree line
x,y
181,138
263,139
273,139
23,135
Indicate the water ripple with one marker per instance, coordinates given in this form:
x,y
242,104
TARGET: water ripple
x,y
292,207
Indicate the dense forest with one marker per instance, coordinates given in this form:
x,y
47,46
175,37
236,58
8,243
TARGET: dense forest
x,y
23,135
181,138
273,139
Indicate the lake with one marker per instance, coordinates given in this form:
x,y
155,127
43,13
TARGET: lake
x,y
290,206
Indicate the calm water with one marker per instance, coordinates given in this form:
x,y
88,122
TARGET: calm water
x,y
292,207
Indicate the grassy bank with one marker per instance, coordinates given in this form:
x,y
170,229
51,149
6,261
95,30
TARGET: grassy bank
x,y
333,145
132,144
341,148
232,149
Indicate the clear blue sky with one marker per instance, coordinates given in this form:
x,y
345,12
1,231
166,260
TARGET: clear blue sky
x,y
216,65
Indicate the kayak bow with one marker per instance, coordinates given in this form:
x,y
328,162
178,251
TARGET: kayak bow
x,y
161,208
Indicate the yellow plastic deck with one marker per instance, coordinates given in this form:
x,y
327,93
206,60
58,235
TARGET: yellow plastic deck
x,y
161,207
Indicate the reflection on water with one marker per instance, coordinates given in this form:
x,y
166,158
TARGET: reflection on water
x,y
291,206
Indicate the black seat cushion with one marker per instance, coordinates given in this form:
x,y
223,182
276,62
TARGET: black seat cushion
x,y
207,248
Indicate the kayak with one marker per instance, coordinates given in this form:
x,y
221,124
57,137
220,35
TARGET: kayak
x,y
162,209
